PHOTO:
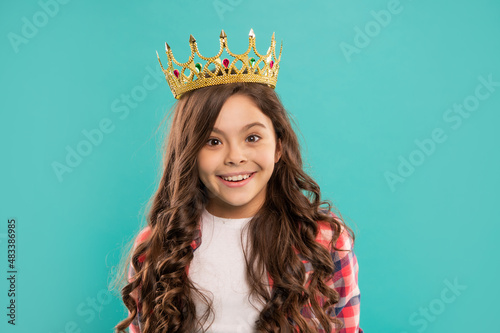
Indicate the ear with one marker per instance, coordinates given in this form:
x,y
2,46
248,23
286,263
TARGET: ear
x,y
277,155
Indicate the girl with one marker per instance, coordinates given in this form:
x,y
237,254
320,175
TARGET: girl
x,y
236,239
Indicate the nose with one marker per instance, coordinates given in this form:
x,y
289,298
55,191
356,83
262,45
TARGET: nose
x,y
235,155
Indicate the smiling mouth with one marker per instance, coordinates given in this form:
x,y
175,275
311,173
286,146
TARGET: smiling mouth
x,y
236,179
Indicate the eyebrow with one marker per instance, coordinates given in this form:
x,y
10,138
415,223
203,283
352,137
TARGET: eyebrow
x,y
246,127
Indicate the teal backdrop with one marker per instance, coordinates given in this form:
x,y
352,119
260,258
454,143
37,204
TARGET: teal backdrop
x,y
397,108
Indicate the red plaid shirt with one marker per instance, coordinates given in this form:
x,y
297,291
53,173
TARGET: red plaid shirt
x,y
344,280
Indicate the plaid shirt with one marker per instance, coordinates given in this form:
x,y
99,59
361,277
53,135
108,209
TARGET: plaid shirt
x,y
344,280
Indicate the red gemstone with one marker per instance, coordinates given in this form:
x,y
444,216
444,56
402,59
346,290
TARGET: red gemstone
x,y
176,73
225,62
271,64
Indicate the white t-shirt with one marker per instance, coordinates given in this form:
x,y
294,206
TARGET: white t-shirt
x,y
218,270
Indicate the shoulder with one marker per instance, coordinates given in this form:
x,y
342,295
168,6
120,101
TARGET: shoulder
x,y
326,234
141,237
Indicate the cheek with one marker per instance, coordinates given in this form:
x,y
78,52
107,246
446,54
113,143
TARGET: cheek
x,y
266,159
203,174
206,164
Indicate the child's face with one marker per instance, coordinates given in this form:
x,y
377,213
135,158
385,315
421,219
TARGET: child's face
x,y
232,148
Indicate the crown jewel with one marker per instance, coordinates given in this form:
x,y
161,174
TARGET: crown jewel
x,y
245,67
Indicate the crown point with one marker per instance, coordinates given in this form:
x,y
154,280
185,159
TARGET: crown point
x,y
191,39
167,47
222,34
251,34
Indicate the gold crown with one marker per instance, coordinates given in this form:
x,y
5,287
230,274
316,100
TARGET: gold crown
x,y
242,68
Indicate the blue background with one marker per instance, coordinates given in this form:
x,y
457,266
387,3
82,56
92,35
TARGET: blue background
x,y
366,95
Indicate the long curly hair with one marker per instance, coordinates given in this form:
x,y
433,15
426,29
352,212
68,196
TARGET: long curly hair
x,y
286,224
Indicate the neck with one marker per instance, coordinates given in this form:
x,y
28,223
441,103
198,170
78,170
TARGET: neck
x,y
231,213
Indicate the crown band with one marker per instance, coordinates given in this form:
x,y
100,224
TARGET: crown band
x,y
242,68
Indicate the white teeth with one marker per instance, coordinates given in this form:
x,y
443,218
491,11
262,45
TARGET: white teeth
x,y
236,178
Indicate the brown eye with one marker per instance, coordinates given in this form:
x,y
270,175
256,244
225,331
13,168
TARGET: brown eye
x,y
212,141
254,136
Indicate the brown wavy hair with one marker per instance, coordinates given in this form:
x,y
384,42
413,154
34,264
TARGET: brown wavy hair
x,y
287,221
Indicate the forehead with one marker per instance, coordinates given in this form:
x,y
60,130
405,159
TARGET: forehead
x,y
240,110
